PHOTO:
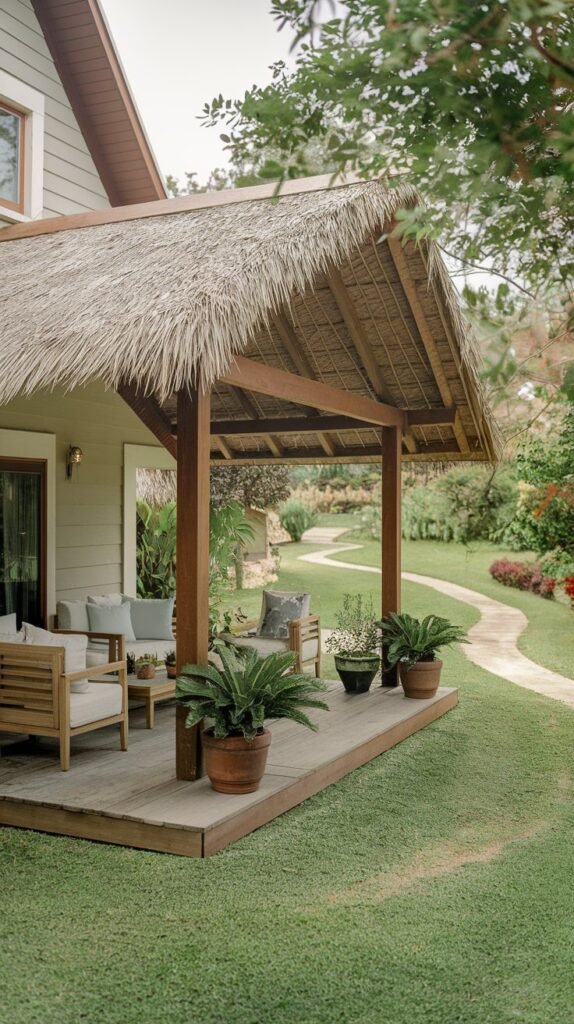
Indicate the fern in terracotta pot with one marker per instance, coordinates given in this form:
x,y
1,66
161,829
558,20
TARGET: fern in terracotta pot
x,y
239,697
412,644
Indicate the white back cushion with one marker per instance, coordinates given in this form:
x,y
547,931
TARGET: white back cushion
x,y
74,650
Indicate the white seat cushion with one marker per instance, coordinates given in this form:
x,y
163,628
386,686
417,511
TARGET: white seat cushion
x,y
262,644
265,645
101,700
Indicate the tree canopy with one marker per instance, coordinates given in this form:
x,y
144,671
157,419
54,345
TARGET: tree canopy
x,y
471,102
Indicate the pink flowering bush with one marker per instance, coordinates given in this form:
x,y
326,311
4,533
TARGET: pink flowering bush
x,y
523,576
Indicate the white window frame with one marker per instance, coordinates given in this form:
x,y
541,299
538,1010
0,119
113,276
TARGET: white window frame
x,y
137,456
23,98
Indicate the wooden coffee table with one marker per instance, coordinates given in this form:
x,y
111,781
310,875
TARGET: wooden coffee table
x,y
150,691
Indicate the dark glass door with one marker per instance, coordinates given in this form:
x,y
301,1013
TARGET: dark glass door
x,y
23,540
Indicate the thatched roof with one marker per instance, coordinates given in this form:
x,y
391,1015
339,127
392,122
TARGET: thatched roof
x,y
165,300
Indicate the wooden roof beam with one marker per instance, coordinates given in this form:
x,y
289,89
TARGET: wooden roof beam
x,y
161,207
400,261
362,345
267,380
323,424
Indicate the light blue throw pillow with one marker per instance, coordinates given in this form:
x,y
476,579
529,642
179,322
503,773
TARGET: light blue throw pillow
x,y
111,618
151,619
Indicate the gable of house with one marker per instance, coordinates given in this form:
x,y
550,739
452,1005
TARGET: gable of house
x,y
59,67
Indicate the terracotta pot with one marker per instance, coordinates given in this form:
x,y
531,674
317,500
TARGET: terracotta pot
x,y
422,680
357,674
234,764
146,672
171,671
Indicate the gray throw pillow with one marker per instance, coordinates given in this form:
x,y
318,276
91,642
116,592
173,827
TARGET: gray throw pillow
x,y
73,615
111,618
8,623
151,619
280,607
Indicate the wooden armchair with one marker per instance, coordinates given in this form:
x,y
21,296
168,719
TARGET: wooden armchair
x,y
304,640
36,696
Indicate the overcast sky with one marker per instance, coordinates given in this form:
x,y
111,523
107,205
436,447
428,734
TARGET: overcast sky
x,y
178,54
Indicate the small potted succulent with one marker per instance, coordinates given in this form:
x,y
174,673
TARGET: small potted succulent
x,y
355,643
170,665
145,666
239,696
412,645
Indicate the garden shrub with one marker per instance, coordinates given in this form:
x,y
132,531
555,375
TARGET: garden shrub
x,y
557,563
544,517
523,576
466,504
295,517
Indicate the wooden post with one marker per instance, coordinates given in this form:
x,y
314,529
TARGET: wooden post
x,y
193,449
391,531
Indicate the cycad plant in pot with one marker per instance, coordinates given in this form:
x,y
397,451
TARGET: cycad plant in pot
x,y
239,697
355,643
412,644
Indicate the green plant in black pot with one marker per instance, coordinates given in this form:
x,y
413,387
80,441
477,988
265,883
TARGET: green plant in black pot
x,y
412,644
355,643
239,697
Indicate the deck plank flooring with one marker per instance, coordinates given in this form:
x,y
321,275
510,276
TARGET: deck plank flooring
x,y
133,798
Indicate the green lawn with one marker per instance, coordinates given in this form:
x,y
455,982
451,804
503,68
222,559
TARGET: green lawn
x,y
432,886
549,638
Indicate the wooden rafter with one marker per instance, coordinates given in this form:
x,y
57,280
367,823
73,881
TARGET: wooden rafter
x,y
362,346
267,380
400,261
303,365
273,444
248,406
150,413
224,448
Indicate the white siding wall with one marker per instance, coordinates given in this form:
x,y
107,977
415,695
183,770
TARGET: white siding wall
x,y
89,507
71,182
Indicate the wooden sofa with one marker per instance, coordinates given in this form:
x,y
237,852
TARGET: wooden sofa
x,y
36,696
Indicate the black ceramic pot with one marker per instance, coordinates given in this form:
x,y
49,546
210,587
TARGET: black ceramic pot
x,y
357,673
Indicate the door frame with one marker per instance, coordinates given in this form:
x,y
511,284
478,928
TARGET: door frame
x,y
21,446
36,467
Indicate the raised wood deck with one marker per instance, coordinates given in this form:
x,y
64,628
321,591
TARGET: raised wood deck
x,y
134,798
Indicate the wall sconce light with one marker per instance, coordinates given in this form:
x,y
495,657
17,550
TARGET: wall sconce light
x,y
75,456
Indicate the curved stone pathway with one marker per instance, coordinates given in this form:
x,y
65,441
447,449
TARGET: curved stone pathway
x,y
493,639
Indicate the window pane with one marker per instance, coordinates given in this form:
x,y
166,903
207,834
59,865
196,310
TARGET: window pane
x,y
10,128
